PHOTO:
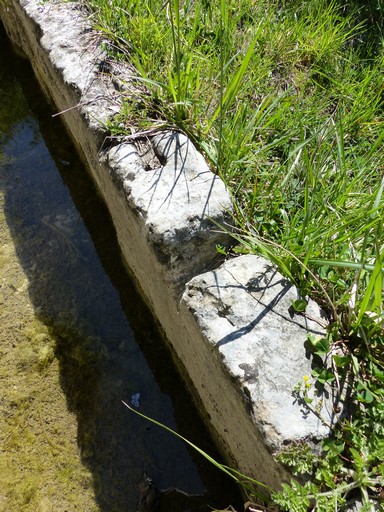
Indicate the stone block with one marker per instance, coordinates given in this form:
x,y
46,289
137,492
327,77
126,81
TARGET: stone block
x,y
244,310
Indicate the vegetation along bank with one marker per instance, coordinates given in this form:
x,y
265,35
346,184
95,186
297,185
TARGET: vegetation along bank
x,y
285,101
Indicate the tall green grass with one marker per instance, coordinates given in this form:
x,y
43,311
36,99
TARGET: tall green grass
x,y
286,100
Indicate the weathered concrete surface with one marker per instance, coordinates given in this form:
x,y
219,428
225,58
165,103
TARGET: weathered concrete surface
x,y
244,309
232,333
177,202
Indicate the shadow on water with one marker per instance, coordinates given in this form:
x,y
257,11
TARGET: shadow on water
x,y
108,346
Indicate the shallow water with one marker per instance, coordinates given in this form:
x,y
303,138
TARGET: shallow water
x,y
76,339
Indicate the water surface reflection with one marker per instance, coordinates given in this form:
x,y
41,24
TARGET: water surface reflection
x,y
107,343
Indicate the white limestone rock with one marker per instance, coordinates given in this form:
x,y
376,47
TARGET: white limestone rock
x,y
244,310
74,50
181,203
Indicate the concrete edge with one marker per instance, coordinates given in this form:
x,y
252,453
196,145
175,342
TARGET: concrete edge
x,y
164,217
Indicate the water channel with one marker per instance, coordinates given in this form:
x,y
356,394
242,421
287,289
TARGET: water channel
x,y
76,339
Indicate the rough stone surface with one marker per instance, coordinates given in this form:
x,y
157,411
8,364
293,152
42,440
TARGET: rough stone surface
x,y
67,38
181,202
244,309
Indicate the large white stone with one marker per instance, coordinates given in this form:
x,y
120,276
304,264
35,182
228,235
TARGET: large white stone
x,y
180,201
244,309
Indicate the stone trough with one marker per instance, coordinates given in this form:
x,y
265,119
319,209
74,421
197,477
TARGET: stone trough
x,y
229,324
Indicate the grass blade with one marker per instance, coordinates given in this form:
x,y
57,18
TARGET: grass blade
x,y
234,474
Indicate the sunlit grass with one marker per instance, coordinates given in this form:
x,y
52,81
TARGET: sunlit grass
x,y
284,98
286,101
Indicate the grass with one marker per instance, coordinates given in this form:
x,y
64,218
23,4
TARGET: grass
x,y
286,101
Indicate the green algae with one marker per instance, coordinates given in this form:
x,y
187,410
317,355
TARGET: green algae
x,y
40,465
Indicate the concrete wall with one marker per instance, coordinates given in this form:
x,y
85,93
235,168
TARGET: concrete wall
x,y
229,324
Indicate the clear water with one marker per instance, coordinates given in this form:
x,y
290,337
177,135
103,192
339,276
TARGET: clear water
x,y
107,345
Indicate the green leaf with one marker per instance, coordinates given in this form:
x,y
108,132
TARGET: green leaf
x,y
341,361
323,375
333,445
299,305
246,481
342,264
236,81
373,292
364,394
320,346
221,249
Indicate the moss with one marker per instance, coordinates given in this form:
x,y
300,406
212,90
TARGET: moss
x,y
41,467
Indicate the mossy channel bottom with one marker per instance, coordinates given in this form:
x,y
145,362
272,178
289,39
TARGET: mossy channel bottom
x,y
75,339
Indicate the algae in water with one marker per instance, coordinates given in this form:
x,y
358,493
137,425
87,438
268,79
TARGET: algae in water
x,y
40,465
